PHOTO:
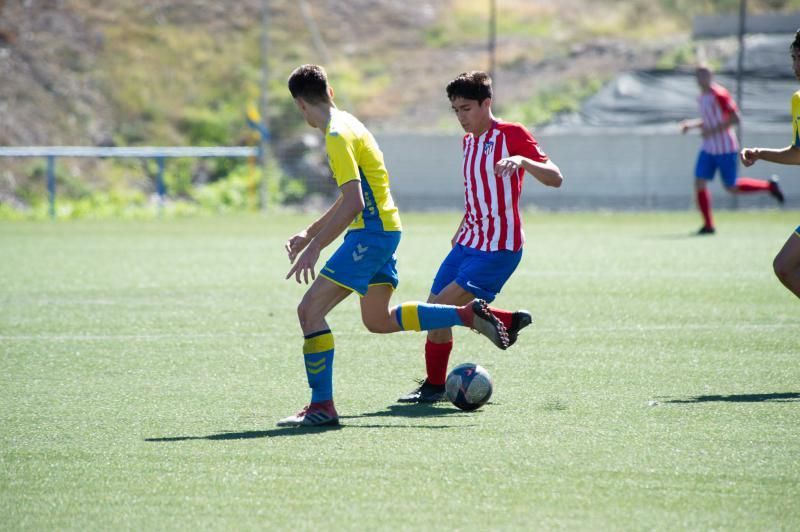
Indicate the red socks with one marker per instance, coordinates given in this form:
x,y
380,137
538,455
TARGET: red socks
x,y
748,184
465,313
704,204
436,358
744,185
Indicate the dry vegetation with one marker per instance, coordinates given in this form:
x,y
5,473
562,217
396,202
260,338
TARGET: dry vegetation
x,y
120,72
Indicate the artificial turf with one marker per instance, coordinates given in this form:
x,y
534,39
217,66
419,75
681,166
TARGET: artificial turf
x,y
143,365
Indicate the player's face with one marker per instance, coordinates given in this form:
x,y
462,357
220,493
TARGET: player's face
x,y
474,117
703,79
796,62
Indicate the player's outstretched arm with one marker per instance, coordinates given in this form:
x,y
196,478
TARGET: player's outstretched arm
x,y
545,172
732,120
694,123
787,155
352,203
299,241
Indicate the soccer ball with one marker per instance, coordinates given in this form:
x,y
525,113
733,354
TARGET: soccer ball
x,y
468,386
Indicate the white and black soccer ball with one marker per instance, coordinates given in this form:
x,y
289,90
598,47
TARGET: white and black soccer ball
x,y
469,386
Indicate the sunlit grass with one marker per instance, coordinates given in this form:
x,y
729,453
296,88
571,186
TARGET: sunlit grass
x,y
143,365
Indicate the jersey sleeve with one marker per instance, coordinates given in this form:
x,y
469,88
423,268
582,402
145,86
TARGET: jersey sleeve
x,y
725,101
521,142
796,119
342,159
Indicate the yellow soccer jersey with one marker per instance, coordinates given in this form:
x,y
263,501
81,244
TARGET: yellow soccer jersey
x,y
796,119
353,153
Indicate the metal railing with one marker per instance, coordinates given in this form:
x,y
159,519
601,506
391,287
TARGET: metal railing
x,y
159,154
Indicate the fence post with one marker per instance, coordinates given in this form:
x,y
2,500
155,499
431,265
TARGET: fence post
x,y
51,184
160,188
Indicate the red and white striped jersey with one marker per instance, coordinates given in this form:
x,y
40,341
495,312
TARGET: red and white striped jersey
x,y
716,106
492,219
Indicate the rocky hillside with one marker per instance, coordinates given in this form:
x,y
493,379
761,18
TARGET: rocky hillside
x,y
154,71
123,72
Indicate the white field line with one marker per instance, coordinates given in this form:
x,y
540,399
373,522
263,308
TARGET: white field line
x,y
623,328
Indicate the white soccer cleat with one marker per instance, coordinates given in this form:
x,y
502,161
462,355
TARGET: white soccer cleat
x,y
313,415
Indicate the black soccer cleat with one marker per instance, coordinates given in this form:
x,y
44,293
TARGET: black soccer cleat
x,y
519,320
706,230
775,189
488,324
425,393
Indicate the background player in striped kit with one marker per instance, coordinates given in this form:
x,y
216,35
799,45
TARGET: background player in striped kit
x,y
487,246
718,115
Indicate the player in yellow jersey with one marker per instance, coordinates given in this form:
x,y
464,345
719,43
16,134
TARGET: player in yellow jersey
x,y
787,261
365,261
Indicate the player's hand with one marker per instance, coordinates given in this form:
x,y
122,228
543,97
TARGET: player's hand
x,y
748,156
508,166
296,244
685,126
305,264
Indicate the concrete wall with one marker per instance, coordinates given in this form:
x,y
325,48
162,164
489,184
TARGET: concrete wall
x,y
706,26
602,169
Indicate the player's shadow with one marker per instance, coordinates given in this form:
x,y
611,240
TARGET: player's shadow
x,y
410,410
392,411
287,431
672,236
249,434
784,397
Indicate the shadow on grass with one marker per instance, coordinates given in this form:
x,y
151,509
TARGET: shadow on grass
x,y
785,397
412,411
672,236
249,434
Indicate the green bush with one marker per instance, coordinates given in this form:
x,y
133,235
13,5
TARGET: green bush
x,y
544,105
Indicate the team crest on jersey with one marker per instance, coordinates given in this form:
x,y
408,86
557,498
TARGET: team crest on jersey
x,y
488,147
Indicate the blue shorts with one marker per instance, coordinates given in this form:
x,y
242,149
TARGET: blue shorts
x,y
727,163
482,273
365,258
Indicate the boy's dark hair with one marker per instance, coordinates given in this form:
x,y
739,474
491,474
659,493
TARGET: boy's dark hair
x,y
796,43
309,82
475,85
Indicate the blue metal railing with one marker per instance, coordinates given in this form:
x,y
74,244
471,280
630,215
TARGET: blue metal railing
x,y
160,154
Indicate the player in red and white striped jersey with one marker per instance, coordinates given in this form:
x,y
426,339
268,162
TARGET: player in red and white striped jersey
x,y
492,220
718,114
487,246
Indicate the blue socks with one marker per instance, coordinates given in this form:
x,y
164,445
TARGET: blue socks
x,y
318,355
417,316
318,347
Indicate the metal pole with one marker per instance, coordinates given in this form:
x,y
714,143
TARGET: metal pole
x,y
160,188
492,36
51,184
322,49
316,37
263,109
740,61
739,68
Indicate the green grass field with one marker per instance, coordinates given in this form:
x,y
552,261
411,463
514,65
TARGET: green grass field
x,y
144,365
